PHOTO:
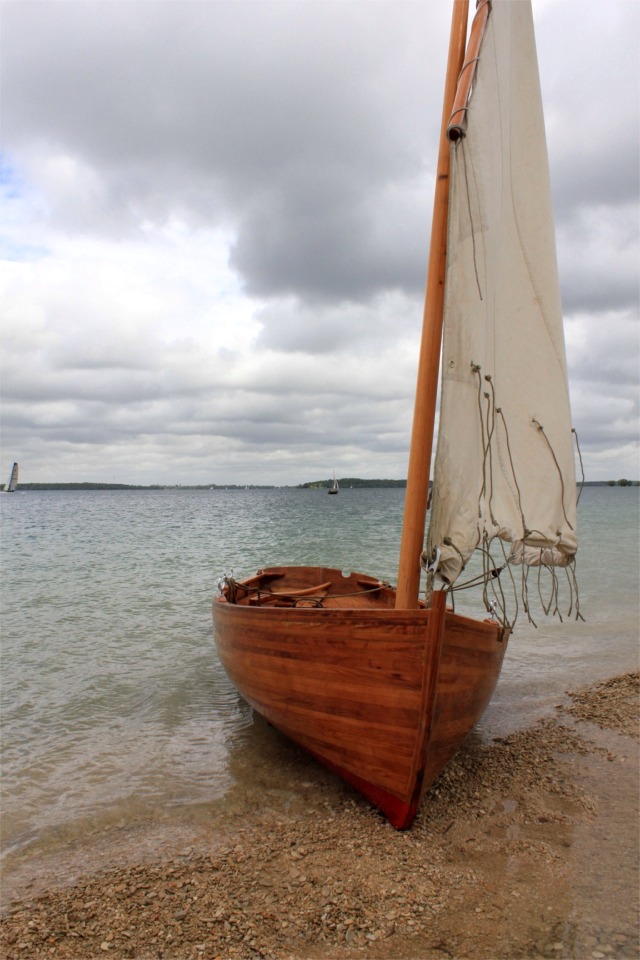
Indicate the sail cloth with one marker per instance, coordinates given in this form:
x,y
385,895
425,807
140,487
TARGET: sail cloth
x,y
504,462
13,479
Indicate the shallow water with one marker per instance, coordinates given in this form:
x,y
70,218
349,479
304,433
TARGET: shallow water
x,y
115,708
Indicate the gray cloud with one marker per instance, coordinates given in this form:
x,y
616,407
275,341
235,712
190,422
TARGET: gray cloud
x,y
217,222
305,126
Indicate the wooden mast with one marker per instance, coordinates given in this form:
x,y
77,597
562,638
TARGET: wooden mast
x,y
415,509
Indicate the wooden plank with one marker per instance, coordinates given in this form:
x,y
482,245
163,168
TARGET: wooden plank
x,y
383,696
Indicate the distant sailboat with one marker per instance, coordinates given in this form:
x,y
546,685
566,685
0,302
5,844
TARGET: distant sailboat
x,y
334,488
13,479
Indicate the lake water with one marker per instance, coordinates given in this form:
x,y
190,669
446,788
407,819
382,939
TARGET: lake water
x,y
114,706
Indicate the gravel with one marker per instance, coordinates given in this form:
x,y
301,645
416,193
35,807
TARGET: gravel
x,y
521,849
613,704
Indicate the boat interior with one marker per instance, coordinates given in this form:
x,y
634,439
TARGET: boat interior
x,y
310,587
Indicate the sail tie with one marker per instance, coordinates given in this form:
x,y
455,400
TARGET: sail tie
x,y
493,585
477,370
555,460
513,470
494,430
491,419
575,434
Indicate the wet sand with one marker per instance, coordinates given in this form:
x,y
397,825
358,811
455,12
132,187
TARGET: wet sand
x,y
526,847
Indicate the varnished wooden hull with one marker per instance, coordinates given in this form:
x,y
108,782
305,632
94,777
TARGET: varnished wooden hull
x,y
382,696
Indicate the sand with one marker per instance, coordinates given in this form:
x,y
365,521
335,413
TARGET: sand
x,y
526,847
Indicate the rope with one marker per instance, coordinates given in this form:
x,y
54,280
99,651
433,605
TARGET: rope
x,y
525,594
471,220
448,542
493,593
541,429
553,599
495,585
491,403
513,469
513,582
575,433
477,370
475,581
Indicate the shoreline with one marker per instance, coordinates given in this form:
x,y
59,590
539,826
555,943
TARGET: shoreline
x,y
527,846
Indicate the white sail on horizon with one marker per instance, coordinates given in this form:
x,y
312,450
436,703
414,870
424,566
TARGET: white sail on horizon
x,y
13,479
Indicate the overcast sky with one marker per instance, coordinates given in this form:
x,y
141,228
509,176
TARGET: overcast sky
x,y
215,223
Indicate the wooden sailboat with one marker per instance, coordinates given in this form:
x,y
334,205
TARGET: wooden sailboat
x,y
334,488
13,479
381,685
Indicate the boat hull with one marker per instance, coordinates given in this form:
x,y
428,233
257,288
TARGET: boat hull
x,y
384,697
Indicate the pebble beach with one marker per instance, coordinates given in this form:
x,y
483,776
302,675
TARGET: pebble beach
x,y
527,846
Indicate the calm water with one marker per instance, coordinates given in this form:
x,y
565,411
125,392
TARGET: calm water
x,y
114,706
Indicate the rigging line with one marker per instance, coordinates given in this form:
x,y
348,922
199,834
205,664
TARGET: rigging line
x,y
449,543
552,546
499,602
485,571
471,220
554,581
555,585
479,578
486,562
553,598
570,585
477,370
490,456
549,544
496,587
556,594
575,433
478,536
429,586
574,579
476,582
491,406
541,429
513,471
525,594
512,578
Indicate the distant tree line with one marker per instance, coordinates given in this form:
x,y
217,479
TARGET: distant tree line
x,y
351,482
132,486
77,486
312,485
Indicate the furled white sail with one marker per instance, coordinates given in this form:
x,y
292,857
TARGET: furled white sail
x,y
505,462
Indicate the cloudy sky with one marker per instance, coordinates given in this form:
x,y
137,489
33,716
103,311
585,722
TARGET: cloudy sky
x,y
215,222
